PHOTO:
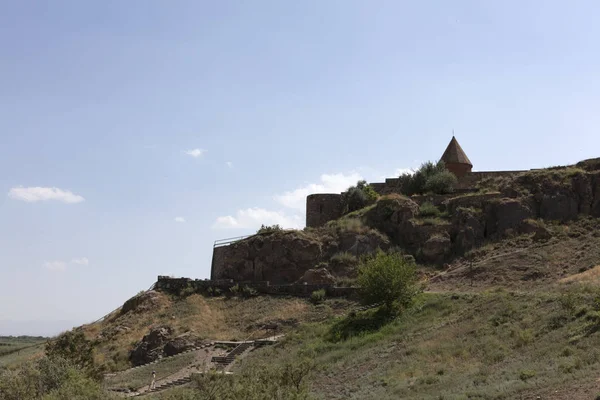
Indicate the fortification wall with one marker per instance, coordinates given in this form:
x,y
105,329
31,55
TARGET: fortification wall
x,y
218,261
174,286
322,208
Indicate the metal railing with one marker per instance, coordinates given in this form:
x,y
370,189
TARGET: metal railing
x,y
228,241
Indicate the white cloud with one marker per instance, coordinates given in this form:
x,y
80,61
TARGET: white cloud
x,y
401,171
55,266
179,219
255,217
330,183
80,261
229,164
35,194
195,152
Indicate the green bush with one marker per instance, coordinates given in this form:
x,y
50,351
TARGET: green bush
x,y
430,177
265,229
247,291
427,209
388,278
318,296
49,379
235,289
77,350
357,197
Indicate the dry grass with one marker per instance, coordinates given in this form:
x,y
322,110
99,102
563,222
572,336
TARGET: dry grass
x,y
211,318
591,276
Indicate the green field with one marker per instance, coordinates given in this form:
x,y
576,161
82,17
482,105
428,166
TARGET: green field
x,y
14,350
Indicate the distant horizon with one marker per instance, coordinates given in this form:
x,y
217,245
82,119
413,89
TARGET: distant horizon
x,y
48,328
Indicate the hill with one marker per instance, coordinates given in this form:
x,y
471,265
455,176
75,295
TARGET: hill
x,y
511,307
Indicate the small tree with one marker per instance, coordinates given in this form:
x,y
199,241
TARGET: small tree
x,y
359,196
441,183
388,278
430,177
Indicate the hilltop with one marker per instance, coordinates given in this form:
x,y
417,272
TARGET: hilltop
x,y
511,305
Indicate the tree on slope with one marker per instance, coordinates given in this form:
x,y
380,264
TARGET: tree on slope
x,y
388,278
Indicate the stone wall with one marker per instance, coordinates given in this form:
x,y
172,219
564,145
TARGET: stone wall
x,y
174,286
218,259
322,208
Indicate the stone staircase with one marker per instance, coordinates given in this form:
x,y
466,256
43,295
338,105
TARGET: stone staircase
x,y
222,362
168,384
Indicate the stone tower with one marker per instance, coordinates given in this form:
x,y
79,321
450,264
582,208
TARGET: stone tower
x,y
456,160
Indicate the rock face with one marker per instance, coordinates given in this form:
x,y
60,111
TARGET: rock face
x,y
317,276
557,194
505,214
284,257
151,346
180,344
142,302
436,249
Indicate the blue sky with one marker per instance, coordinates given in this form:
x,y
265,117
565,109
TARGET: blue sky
x,y
117,118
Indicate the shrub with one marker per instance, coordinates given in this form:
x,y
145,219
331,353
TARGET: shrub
x,y
265,229
77,350
427,209
235,289
357,197
247,291
187,291
527,374
318,296
441,183
49,379
344,258
389,279
430,177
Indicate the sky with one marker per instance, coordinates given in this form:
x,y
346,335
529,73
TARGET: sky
x,y
134,134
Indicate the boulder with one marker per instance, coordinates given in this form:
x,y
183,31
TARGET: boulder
x,y
318,276
180,344
150,348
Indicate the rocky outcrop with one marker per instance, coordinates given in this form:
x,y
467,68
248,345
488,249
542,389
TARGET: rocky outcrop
x,y
150,348
464,222
436,249
504,214
317,276
539,231
284,257
180,344
142,302
397,217
468,229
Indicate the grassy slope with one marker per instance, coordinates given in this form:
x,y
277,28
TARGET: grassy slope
x,y
217,318
487,345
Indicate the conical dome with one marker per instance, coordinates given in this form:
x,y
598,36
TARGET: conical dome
x,y
454,154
